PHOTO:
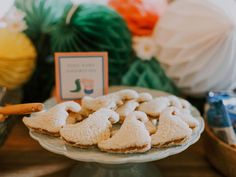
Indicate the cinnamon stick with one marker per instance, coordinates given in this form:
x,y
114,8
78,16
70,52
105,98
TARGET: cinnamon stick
x,y
27,108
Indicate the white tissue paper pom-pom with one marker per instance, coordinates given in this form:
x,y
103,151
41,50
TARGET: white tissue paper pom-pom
x,y
196,44
14,20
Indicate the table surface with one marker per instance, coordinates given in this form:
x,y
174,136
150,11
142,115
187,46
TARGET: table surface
x,y
21,156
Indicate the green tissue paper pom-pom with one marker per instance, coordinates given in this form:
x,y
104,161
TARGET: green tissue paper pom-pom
x,y
40,15
94,27
149,74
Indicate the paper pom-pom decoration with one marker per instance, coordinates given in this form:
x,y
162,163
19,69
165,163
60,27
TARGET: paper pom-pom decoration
x,y
94,27
17,59
148,74
196,44
14,20
144,47
40,15
140,15
104,2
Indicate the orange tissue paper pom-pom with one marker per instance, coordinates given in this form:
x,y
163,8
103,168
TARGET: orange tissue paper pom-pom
x,y
140,15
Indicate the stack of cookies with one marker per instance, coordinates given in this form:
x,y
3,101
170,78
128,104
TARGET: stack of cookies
x,y
120,122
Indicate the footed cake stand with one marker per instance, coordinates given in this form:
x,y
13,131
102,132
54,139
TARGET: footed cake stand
x,y
94,163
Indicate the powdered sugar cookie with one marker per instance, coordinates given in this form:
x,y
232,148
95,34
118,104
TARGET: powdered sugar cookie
x,y
126,109
127,94
171,129
50,122
185,104
94,104
187,117
132,137
179,102
175,101
79,116
184,110
110,101
90,131
73,118
144,97
150,127
154,107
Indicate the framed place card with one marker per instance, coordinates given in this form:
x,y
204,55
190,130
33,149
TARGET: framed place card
x,y
81,73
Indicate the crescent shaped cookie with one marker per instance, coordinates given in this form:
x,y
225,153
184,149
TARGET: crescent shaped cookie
x,y
94,104
179,102
132,137
184,110
154,107
127,94
50,122
171,129
110,101
187,117
144,97
150,126
79,116
127,108
90,131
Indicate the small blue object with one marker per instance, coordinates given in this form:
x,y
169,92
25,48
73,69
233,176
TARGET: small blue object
x,y
217,115
221,115
88,91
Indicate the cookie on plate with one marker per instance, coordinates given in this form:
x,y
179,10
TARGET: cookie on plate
x,y
90,131
171,129
154,107
127,108
110,101
187,117
127,94
94,104
132,137
50,122
184,112
179,102
144,97
79,116
151,127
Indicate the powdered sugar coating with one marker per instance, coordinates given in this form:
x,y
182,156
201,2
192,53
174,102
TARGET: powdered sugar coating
x,y
53,119
184,111
132,134
185,104
110,101
144,97
170,128
95,128
187,117
175,101
126,109
179,102
127,94
154,107
95,104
